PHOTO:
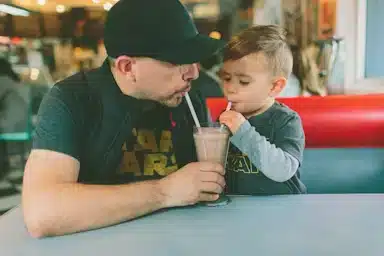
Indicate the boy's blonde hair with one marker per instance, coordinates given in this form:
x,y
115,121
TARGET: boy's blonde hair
x,y
269,40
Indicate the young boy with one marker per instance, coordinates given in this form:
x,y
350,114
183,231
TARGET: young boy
x,y
268,139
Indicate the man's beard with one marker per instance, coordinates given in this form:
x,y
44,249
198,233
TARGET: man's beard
x,y
172,102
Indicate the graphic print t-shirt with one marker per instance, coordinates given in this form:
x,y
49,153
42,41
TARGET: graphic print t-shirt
x,y
148,151
116,138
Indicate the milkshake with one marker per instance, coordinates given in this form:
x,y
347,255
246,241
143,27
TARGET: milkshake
x,y
212,145
211,141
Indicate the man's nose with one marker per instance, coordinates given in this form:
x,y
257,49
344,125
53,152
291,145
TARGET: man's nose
x,y
191,72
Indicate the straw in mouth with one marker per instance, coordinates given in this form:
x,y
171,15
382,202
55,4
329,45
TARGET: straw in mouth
x,y
229,106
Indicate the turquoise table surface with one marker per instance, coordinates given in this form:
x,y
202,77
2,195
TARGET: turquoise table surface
x,y
297,225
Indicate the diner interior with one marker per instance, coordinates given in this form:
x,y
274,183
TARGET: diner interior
x,y
336,87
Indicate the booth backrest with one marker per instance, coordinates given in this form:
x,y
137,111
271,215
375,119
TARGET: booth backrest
x,y
344,141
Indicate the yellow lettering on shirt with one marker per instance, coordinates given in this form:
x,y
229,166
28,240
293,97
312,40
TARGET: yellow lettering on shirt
x,y
241,163
155,160
157,163
253,169
129,164
166,144
146,141
242,166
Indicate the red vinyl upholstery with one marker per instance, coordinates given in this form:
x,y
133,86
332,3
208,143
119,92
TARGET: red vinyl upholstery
x,y
347,121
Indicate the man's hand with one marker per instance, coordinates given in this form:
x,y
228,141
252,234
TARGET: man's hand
x,y
193,183
232,119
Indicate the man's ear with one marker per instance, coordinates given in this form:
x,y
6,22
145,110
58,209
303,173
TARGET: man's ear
x,y
278,85
125,66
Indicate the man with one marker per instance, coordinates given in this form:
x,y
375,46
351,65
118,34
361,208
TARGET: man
x,y
116,143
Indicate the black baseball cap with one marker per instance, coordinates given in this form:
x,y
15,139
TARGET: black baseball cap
x,y
158,29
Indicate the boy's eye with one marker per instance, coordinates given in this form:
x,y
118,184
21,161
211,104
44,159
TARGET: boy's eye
x,y
226,78
244,82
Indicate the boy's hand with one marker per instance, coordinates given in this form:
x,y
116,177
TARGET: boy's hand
x,y
232,119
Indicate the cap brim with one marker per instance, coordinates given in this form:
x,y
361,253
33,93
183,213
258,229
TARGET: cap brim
x,y
194,50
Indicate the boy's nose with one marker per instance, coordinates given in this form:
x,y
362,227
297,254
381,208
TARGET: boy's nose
x,y
229,88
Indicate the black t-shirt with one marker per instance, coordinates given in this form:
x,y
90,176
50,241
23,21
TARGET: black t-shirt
x,y
116,138
282,128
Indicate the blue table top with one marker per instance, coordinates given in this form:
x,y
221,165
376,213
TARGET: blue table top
x,y
277,225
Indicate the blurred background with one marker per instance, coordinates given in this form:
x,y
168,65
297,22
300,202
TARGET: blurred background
x,y
336,46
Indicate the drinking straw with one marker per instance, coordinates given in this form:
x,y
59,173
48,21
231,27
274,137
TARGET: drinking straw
x,y
192,109
229,106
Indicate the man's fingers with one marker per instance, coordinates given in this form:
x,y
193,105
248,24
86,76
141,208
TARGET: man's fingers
x,y
206,197
211,187
211,167
213,177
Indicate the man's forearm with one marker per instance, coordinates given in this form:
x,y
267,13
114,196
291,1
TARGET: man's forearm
x,y
69,208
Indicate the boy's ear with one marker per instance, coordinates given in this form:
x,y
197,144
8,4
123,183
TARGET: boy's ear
x,y
278,85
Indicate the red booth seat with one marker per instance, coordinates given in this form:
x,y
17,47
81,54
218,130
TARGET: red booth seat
x,y
348,121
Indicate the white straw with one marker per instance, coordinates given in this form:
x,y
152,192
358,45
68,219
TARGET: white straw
x,y
229,106
192,109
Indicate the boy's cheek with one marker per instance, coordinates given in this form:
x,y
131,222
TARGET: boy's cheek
x,y
238,107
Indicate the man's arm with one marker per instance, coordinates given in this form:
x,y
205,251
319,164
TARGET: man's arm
x,y
55,204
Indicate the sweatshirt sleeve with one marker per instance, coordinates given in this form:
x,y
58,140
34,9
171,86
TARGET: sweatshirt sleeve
x,y
279,161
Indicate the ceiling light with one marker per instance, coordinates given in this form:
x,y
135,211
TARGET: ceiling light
x,y
215,35
41,2
60,8
96,1
107,6
13,10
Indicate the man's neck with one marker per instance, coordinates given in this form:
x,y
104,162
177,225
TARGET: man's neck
x,y
127,89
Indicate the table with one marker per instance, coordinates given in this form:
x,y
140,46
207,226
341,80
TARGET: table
x,y
276,225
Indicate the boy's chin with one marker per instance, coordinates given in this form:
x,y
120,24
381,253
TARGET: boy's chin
x,y
247,109
244,108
